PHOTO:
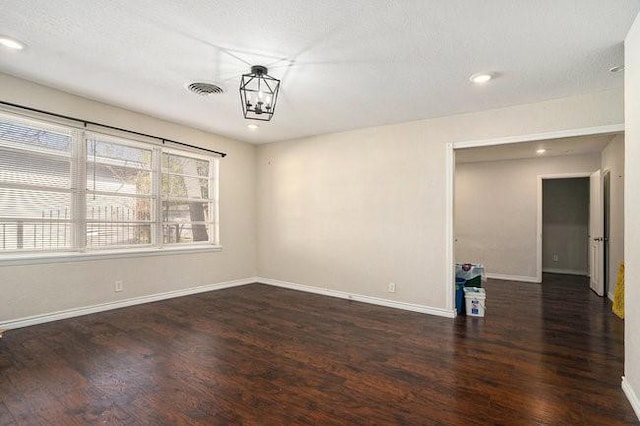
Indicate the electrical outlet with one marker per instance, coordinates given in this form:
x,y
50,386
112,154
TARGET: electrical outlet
x,y
392,287
555,257
119,286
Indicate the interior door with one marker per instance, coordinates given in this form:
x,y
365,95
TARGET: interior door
x,y
596,235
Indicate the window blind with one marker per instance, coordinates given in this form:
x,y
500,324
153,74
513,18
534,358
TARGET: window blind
x,y
37,184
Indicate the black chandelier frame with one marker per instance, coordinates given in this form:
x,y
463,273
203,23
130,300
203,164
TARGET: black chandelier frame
x,y
259,94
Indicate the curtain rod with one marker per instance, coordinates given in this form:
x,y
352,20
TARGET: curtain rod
x,y
106,126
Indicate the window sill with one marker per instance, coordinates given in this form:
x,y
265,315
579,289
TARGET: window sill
x,y
38,258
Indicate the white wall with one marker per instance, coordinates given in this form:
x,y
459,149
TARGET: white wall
x,y
565,226
632,213
496,210
29,290
613,160
353,211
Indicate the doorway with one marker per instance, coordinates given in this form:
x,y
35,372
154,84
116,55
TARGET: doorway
x,y
587,226
565,225
577,137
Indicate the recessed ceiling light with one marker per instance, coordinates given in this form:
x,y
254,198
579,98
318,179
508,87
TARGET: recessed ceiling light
x,y
481,78
616,69
11,43
541,151
252,126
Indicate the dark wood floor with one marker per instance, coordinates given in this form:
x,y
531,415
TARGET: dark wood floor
x,y
550,354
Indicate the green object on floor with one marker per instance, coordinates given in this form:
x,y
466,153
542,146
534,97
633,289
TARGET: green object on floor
x,y
474,282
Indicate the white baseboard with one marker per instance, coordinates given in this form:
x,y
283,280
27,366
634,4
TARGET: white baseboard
x,y
360,298
610,296
523,278
75,312
631,396
565,271
92,309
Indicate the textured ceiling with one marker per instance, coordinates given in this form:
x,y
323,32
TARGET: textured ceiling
x,y
517,151
343,64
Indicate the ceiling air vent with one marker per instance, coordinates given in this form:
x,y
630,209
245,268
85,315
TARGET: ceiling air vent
x,y
204,89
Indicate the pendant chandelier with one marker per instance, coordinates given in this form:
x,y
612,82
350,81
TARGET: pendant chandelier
x,y
258,93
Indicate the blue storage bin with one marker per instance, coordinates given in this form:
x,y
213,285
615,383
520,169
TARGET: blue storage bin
x,y
460,282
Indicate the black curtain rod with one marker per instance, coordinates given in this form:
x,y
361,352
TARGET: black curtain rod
x,y
106,126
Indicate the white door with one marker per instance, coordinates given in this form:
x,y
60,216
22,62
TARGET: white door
x,y
596,235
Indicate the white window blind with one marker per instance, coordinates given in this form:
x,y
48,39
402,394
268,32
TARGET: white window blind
x,y
37,180
62,188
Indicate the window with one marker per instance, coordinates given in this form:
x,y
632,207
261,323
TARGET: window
x,y
187,198
36,185
65,189
119,196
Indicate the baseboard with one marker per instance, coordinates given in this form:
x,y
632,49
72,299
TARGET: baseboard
x,y
75,312
610,296
360,298
522,278
92,309
565,272
631,396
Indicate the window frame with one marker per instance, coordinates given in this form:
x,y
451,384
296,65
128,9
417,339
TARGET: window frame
x,y
212,198
153,223
80,192
49,154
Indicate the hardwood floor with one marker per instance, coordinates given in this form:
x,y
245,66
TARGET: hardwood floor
x,y
550,354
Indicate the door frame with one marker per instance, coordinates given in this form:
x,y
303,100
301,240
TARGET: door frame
x,y
596,231
606,230
450,168
539,213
